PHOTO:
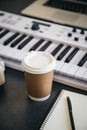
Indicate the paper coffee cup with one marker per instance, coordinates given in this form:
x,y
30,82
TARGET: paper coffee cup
x,y
2,69
38,67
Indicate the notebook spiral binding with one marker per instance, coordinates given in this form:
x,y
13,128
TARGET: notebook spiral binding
x,y
50,112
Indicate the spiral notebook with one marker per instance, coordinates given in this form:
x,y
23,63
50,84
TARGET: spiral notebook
x,y
58,117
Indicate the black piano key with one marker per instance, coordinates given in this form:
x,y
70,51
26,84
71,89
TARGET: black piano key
x,y
63,53
37,45
45,46
25,42
54,52
1,29
72,54
13,44
10,39
83,60
4,33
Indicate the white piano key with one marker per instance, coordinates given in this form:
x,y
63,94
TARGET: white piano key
x,y
84,77
52,47
9,34
60,51
43,43
75,58
21,53
15,39
72,70
65,68
64,58
80,72
1,47
59,64
85,64
30,44
21,41
2,31
79,56
12,54
6,50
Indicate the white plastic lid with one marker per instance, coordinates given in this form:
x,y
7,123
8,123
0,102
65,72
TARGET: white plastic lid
x,y
38,62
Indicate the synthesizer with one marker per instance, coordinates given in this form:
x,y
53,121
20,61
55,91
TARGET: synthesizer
x,y
20,34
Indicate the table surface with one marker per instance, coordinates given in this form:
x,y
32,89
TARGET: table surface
x,y
17,111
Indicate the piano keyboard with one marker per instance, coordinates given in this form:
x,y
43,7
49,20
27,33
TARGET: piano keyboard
x,y
19,35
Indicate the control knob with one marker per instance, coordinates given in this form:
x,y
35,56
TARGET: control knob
x,y
69,34
35,26
74,30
